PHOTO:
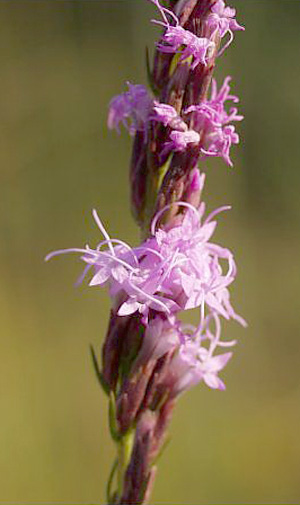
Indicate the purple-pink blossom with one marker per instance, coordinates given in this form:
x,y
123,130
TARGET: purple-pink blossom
x,y
212,129
179,140
212,119
194,352
130,108
167,115
222,19
175,269
220,141
196,358
198,48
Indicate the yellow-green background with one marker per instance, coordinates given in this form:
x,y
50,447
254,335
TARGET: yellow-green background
x,y
60,63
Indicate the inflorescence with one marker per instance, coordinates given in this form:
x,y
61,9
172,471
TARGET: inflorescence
x,y
177,267
150,356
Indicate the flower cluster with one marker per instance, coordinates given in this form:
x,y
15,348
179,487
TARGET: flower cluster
x,y
212,132
173,270
176,37
192,350
221,20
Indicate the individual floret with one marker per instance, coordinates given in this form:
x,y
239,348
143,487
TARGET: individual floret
x,y
131,108
222,19
212,119
193,353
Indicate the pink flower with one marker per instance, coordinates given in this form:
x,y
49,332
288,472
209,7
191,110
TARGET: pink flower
x,y
181,136
217,102
195,365
199,48
195,277
210,121
175,269
167,115
181,139
222,19
131,108
192,351
211,118
220,141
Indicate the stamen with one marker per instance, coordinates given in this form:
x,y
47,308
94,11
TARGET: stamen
x,y
82,276
64,251
118,260
159,214
231,37
231,343
121,242
216,212
163,10
103,231
216,337
148,249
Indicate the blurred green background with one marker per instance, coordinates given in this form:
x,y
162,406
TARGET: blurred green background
x,y
61,62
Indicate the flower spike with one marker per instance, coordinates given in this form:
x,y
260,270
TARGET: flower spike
x,y
149,356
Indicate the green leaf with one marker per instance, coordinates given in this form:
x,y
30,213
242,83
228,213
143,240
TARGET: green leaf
x,y
112,418
151,82
99,374
109,496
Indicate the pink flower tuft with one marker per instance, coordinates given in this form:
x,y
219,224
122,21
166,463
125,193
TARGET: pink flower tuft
x,y
192,351
222,19
212,118
198,48
175,269
131,108
210,121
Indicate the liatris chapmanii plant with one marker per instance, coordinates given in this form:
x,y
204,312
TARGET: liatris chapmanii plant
x,y
149,357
